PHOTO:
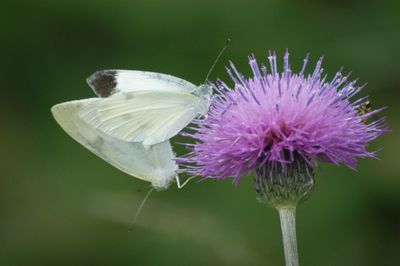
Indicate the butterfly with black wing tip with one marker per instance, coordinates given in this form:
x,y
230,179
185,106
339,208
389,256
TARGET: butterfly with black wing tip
x,y
143,106
131,121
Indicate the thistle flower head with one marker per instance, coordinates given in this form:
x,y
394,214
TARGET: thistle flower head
x,y
277,119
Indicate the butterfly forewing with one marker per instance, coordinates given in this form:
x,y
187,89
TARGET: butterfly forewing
x,y
108,82
142,116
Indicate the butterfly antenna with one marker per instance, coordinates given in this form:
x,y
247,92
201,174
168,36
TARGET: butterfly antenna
x,y
216,60
140,209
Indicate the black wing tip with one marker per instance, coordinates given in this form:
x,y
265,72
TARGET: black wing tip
x,y
103,82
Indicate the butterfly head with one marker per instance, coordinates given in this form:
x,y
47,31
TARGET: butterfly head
x,y
203,90
204,93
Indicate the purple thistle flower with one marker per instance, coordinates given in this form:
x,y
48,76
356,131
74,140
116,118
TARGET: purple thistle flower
x,y
276,118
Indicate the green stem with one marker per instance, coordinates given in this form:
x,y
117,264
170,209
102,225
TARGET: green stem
x,y
288,225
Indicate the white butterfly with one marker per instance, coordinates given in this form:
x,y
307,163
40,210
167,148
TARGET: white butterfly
x,y
143,106
131,122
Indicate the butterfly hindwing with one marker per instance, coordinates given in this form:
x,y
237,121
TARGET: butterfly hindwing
x,y
155,164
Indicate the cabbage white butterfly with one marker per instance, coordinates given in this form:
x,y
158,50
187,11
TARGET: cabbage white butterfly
x,y
151,107
147,107
131,121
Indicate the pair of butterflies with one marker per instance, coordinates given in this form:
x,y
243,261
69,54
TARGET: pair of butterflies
x,y
131,121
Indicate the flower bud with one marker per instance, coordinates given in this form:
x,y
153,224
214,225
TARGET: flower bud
x,y
284,184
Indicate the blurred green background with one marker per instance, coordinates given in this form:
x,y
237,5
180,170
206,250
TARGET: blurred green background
x,y
61,205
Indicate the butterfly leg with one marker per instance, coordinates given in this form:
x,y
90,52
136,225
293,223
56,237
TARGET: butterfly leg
x,y
178,182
